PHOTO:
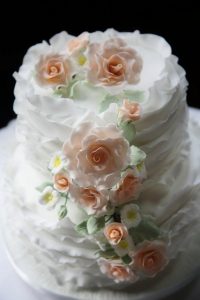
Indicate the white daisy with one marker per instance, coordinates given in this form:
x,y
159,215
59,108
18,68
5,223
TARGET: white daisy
x,y
49,197
57,163
130,215
124,247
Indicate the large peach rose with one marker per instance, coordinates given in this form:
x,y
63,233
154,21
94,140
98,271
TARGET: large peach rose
x,y
92,200
116,271
53,70
96,155
115,232
113,62
150,258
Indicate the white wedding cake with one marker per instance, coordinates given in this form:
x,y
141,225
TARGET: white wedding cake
x,y
102,184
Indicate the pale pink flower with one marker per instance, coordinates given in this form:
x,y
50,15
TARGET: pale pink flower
x,y
96,155
117,271
53,70
115,232
128,188
78,44
92,200
150,258
61,182
113,63
130,111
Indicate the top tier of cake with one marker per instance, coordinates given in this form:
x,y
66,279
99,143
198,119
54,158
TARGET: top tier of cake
x,y
61,82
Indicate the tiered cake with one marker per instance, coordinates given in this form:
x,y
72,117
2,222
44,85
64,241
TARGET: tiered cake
x,y
103,186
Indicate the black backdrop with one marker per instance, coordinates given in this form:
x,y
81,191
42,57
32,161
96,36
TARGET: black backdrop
x,y
177,24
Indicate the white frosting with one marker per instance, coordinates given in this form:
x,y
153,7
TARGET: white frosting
x,y
44,123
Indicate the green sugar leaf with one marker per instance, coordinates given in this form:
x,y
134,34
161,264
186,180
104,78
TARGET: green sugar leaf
x,y
95,224
129,131
126,259
146,230
62,212
82,228
137,155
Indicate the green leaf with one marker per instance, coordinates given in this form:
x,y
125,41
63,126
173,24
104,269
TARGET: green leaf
x,y
146,230
82,228
136,96
62,90
41,187
108,99
126,259
109,254
137,155
62,212
95,224
129,131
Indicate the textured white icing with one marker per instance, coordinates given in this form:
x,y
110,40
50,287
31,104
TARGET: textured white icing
x,y
50,256
45,121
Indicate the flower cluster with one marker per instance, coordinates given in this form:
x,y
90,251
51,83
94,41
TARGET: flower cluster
x,y
101,172
98,175
109,63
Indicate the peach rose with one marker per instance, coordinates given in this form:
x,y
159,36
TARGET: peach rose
x,y
79,43
116,271
150,258
128,188
93,201
115,232
61,182
130,111
113,63
53,70
96,155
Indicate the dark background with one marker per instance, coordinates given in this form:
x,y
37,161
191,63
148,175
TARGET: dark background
x,y
178,24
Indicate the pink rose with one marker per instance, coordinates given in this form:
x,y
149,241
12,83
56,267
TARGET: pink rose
x,y
127,189
93,201
53,70
116,271
96,155
130,111
61,182
113,63
79,43
150,258
115,232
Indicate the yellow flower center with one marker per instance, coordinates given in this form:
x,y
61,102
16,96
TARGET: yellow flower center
x,y
57,161
123,244
140,166
131,214
48,197
82,60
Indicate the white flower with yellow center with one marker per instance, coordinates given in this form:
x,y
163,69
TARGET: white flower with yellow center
x,y
124,247
49,197
57,163
130,215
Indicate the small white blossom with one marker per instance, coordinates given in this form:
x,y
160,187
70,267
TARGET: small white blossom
x,y
130,215
49,197
125,246
57,163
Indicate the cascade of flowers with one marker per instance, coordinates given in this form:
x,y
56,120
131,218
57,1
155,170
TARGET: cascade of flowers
x,y
99,170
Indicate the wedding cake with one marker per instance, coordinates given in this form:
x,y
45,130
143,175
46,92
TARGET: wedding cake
x,y
102,182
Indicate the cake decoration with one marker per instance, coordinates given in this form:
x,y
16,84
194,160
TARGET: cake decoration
x,y
102,172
